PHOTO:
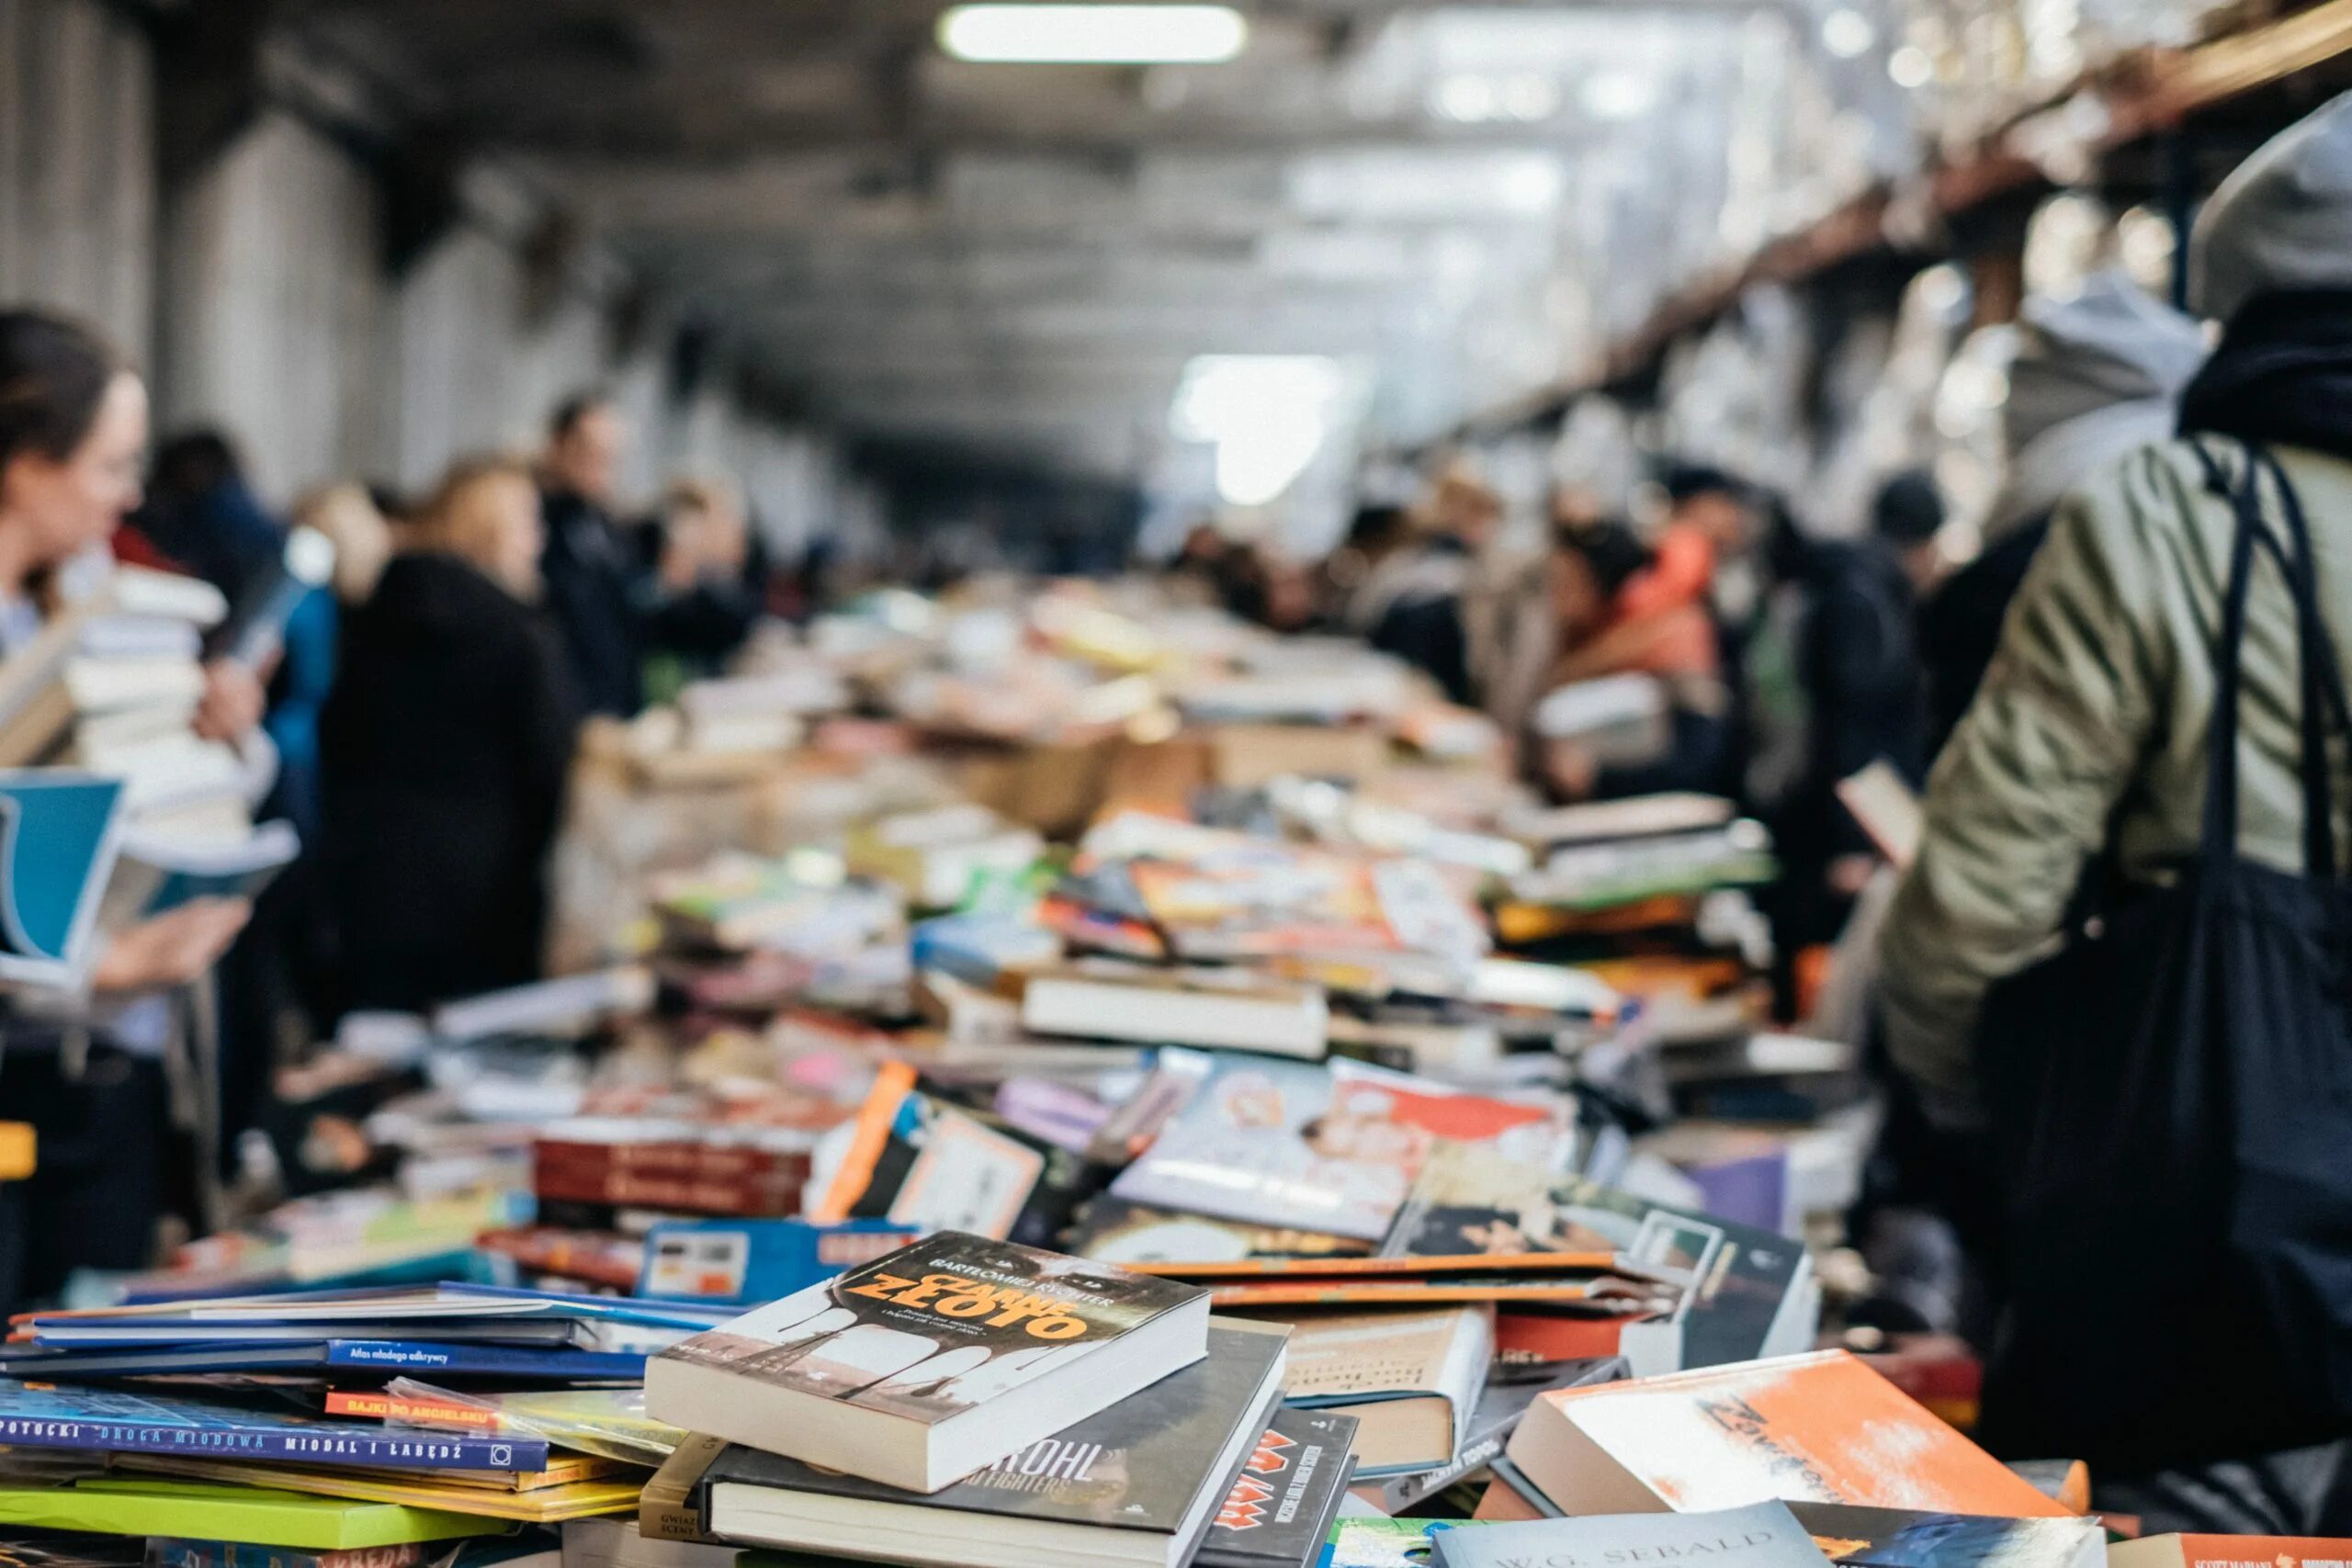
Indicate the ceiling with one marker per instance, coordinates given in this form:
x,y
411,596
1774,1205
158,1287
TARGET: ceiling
x,y
1461,200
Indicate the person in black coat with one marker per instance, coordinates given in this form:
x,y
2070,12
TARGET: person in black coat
x,y
595,587
447,744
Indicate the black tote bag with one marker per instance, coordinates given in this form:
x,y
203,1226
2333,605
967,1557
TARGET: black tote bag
x,y
2172,1104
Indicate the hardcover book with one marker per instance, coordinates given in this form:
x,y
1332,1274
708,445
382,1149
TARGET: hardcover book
x,y
1762,1535
111,1421
1411,1379
1136,1483
929,1363
1279,1513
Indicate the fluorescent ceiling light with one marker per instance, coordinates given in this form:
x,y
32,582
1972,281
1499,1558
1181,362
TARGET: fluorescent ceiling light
x,y
1094,35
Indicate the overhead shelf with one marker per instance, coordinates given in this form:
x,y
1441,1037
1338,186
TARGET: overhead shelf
x,y
2127,102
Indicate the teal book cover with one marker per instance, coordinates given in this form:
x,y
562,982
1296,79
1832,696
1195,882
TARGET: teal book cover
x,y
60,831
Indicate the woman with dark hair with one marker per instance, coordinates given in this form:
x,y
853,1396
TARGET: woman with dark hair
x,y
72,433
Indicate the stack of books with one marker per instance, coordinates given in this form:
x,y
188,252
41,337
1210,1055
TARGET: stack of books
x,y
966,1401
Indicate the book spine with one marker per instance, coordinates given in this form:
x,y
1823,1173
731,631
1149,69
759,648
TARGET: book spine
x,y
708,1161
625,1190
484,1361
294,1445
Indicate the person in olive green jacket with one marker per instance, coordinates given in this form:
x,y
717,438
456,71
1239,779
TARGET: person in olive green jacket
x,y
2088,734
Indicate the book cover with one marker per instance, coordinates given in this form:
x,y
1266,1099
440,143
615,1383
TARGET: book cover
x,y
1138,1237
759,1260
1728,1293
60,833
1412,1378
1821,1427
152,1506
455,1359
1279,1513
171,1553
934,1330
547,1504
109,1420
1896,1538
1391,1543
1762,1535
1138,1465
2232,1552
1332,1148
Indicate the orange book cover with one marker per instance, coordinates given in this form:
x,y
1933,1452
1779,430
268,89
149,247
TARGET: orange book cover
x,y
393,1407
1821,1427
2233,1552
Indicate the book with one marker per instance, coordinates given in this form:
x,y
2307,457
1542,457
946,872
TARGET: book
x,y
374,1355
2229,1552
1733,1292
1510,1390
615,1543
932,1362
918,1161
157,872
1137,1482
1820,1427
1207,1008
670,1507
1630,872
118,1422
168,1552
152,1506
1113,1230
1762,1535
1642,817
60,835
1896,1538
1888,809
109,685
1332,1149
537,1506
1390,1543
1279,1513
758,1260
1410,1378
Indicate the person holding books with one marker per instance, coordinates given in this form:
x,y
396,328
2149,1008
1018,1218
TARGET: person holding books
x,y
446,742
88,1073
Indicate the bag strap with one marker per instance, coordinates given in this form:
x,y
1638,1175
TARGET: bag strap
x,y
2219,839
2323,696
2324,704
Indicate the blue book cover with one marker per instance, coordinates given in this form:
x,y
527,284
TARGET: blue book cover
x,y
60,832
394,1356
743,1262
1763,1534
114,1421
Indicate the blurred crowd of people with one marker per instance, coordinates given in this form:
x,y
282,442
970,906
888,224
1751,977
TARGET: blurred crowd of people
x,y
418,717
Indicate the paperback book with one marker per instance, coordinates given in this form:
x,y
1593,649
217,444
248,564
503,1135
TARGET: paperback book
x,y
1279,1513
1136,1483
931,1362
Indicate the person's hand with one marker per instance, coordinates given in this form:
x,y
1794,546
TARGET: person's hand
x,y
232,702
1570,770
171,949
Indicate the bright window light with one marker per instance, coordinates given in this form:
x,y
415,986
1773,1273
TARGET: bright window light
x,y
1848,34
1094,35
1267,414
1619,94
